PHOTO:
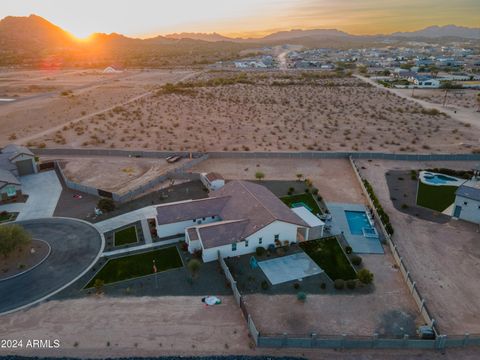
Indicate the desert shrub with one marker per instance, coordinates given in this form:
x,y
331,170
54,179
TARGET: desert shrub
x,y
296,286
291,190
351,284
264,285
13,237
194,267
260,251
356,260
323,286
348,249
365,276
339,284
301,296
280,251
106,205
259,175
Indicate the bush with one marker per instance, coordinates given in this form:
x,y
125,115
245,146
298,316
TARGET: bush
x,y
106,205
339,284
356,260
301,296
259,175
260,251
194,267
296,286
323,286
348,250
365,276
13,237
264,285
351,284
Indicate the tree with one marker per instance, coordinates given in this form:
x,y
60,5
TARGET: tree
x,y
106,205
301,296
13,237
299,176
259,175
194,267
365,276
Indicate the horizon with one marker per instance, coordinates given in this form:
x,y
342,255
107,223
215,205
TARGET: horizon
x,y
369,17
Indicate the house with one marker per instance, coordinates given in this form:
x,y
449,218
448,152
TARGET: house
x,y
467,199
316,225
426,82
212,180
111,70
15,161
232,221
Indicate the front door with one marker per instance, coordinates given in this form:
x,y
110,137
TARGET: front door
x,y
457,211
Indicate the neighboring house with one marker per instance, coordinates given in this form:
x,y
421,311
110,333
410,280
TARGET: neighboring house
x,y
15,161
212,180
467,200
111,70
233,221
426,82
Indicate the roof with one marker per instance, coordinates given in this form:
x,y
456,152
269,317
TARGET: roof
x,y
212,176
189,210
8,178
469,192
192,233
307,216
222,233
255,203
14,150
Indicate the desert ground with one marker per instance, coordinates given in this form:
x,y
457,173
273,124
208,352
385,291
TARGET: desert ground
x,y
443,259
221,110
464,98
115,174
334,178
109,327
46,101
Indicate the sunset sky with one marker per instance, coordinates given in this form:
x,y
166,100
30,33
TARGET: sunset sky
x,y
144,18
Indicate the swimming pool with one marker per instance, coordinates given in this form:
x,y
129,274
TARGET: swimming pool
x,y
359,224
437,179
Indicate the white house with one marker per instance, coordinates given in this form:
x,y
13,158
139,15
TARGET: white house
x,y
212,180
233,221
467,200
315,230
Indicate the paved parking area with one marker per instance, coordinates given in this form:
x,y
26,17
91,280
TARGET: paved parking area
x,y
75,247
288,268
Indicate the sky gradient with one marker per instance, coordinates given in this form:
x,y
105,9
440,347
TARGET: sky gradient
x,y
144,18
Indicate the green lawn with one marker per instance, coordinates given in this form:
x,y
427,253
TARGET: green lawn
x,y
435,197
7,216
132,266
307,199
328,254
126,236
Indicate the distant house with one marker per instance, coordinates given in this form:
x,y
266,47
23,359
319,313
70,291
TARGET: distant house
x,y
212,180
233,221
467,199
111,70
426,82
15,161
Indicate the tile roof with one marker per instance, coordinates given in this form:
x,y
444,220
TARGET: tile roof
x,y
189,210
6,177
192,233
222,233
212,176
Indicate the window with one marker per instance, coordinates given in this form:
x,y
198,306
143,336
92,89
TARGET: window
x,y
246,243
260,240
276,237
234,247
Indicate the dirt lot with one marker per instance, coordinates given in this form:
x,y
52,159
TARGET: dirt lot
x,y
442,258
389,309
458,98
333,177
256,111
115,174
48,102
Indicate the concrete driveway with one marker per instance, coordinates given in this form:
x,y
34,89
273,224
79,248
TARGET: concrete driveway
x,y
75,247
43,191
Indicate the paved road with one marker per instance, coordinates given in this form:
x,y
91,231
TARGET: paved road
x,y
75,245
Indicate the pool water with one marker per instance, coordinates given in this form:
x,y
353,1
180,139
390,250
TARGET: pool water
x,y
438,179
359,224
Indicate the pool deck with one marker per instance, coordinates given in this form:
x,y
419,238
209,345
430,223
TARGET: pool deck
x,y
359,243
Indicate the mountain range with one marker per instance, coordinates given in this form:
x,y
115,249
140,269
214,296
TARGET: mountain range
x,y
29,40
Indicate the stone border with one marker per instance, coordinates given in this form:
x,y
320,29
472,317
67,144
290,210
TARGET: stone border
x,y
33,267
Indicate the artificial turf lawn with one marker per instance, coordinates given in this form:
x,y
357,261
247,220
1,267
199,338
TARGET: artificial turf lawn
x,y
126,236
435,197
328,254
132,266
7,217
307,199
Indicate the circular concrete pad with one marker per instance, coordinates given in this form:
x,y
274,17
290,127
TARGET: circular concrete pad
x,y
76,246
